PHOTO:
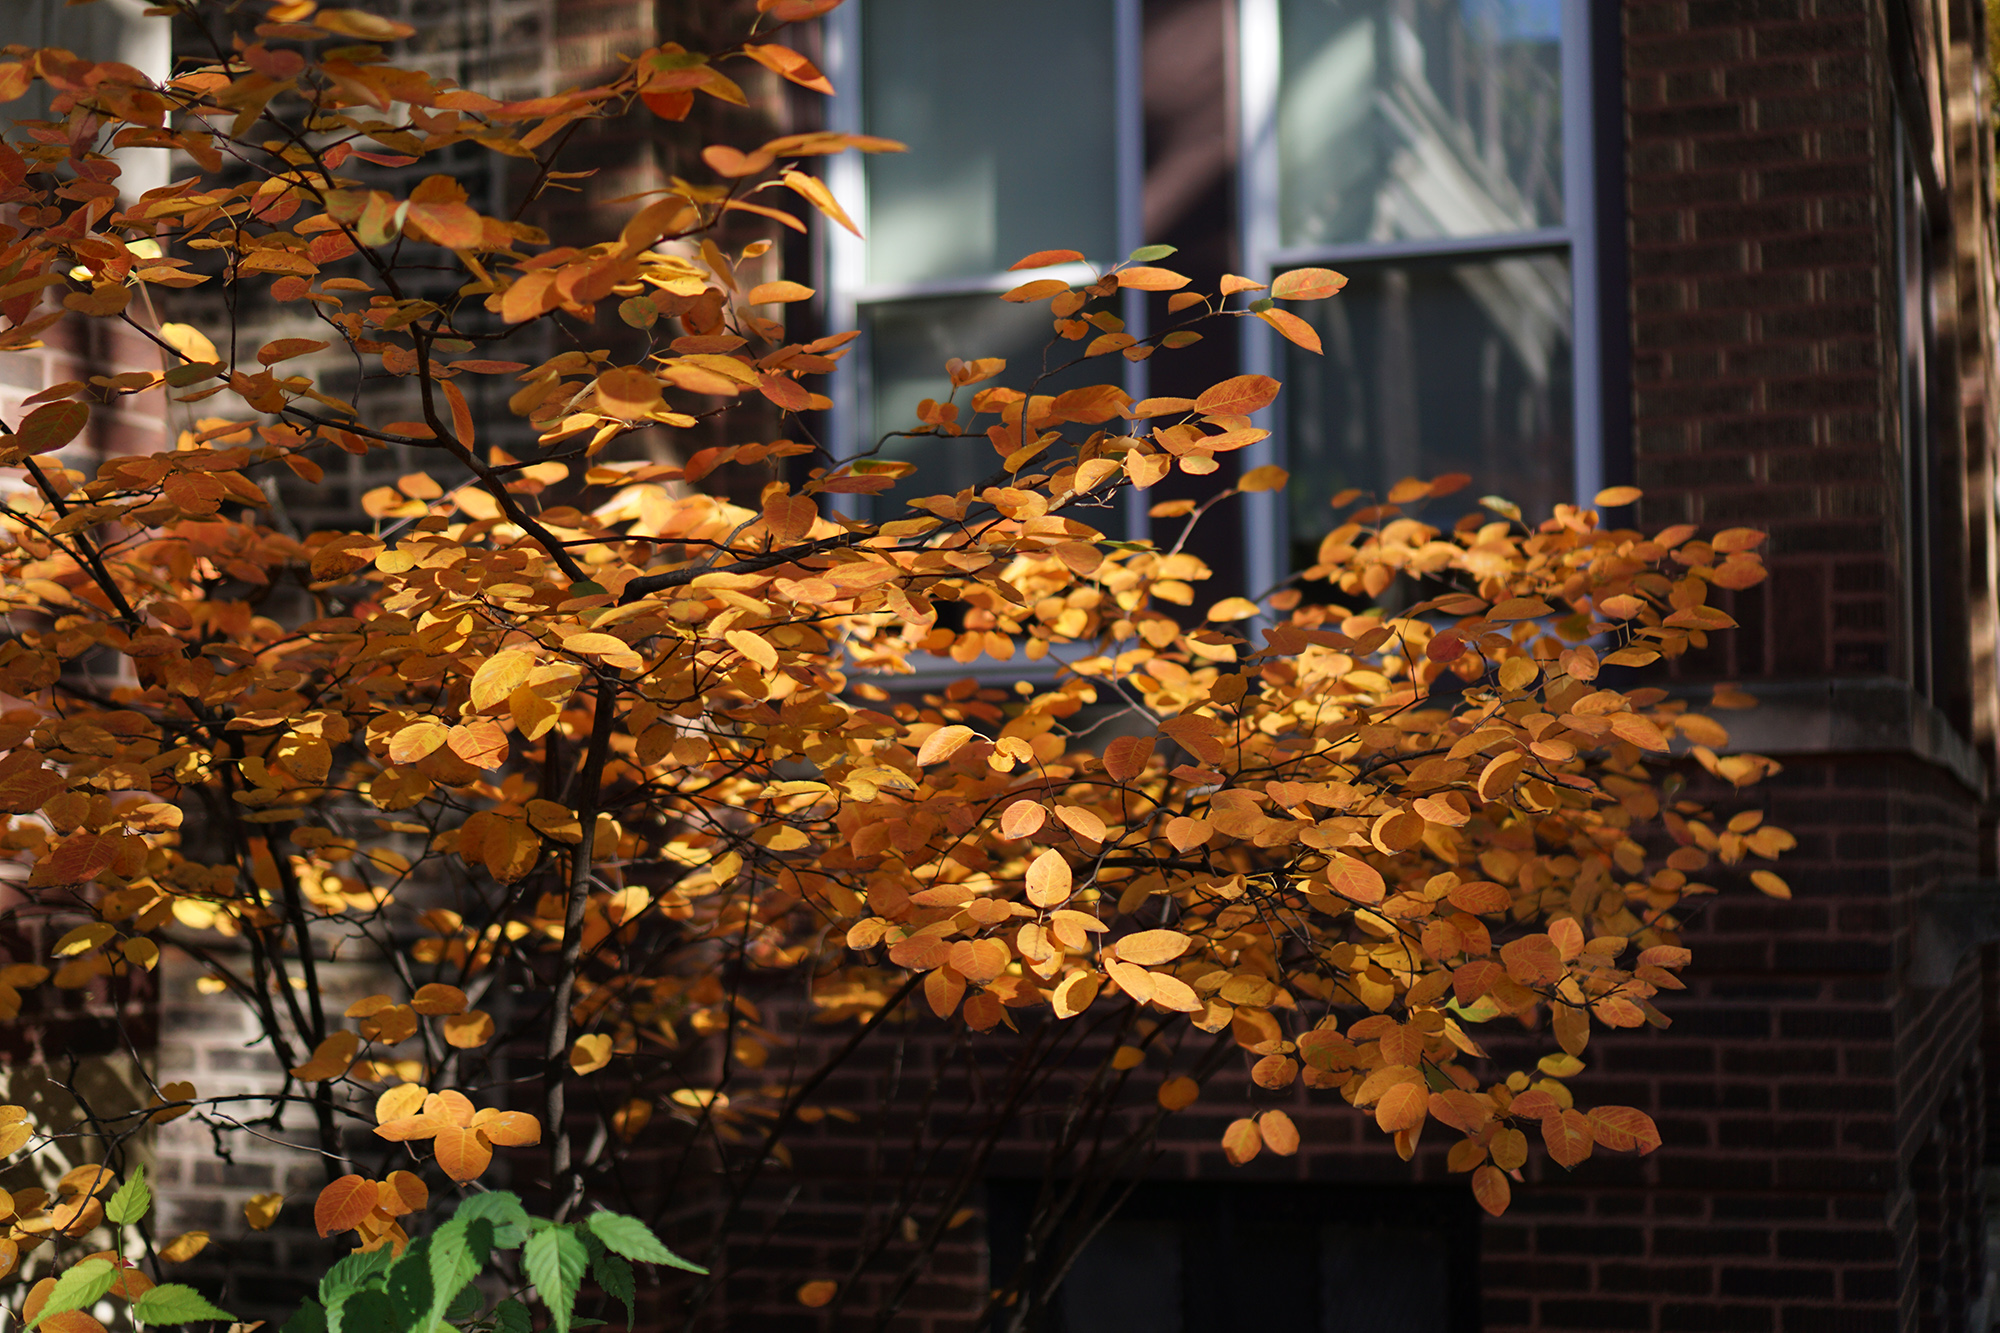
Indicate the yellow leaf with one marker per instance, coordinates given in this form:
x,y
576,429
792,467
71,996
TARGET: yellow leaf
x,y
438,998
1022,819
942,744
1232,608
591,1053
754,647
469,1030
189,341
1149,948
331,1059
1049,879
462,1153
1280,1135
1241,1141
403,1100
186,1246
1770,883
813,1295
1084,823
498,676
417,741
261,1210
1613,497
1270,477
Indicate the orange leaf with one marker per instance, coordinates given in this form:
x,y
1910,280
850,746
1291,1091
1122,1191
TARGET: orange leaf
x,y
1568,1137
790,517
1355,879
787,63
343,1204
438,998
462,1153
1241,1141
438,207
814,192
509,1129
1293,328
331,1059
1046,259
1238,396
1149,948
1307,284
1623,1128
1022,818
942,744
1084,823
815,1294
1176,1093
1280,1135
1402,1107
1126,757
468,1031
1145,279
1490,1188
1049,879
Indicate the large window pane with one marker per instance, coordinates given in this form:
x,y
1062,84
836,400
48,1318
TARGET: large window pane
x,y
1009,112
1404,119
1434,367
907,344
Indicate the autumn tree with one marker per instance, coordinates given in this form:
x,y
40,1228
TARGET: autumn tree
x,y
622,784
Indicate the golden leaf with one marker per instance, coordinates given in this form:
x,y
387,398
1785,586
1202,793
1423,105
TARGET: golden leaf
x,y
591,1053
261,1210
1049,879
186,1246
331,1059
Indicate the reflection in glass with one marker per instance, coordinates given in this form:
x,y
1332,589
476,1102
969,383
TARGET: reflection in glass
x,y
1009,112
1432,367
1409,119
907,343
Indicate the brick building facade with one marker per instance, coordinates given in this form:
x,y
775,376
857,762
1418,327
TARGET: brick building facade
x,y
1778,252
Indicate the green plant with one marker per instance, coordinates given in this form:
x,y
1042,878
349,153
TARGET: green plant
x,y
432,1284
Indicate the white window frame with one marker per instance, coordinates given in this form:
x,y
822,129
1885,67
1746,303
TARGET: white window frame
x,y
842,257
1266,518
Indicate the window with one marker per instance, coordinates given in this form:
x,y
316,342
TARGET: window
x,y
1243,1258
1437,152
1023,134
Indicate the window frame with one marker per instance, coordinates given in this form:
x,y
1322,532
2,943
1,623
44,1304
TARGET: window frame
x,y
1267,520
841,272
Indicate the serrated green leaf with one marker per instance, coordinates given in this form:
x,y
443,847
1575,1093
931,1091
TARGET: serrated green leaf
x,y
511,1222
1146,254
173,1303
130,1201
510,1316
458,1250
366,1311
464,1305
614,1275
635,1240
81,1286
350,1275
308,1318
555,1259
408,1283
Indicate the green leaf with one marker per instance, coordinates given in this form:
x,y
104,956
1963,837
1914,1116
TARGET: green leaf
x,y
635,1240
1262,304
82,1286
366,1311
554,1261
131,1201
464,1305
458,1250
614,1275
510,1316
1146,254
308,1318
192,372
409,1284
172,1303
511,1222
351,1274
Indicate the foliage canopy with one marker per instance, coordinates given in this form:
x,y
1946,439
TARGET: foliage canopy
x,y
644,784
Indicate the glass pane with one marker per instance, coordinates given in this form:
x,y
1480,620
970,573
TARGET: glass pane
x,y
907,344
1383,1278
1128,1280
1419,118
1433,367
1009,112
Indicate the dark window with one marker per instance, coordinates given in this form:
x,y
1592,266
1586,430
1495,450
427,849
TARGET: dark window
x,y
1230,1258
